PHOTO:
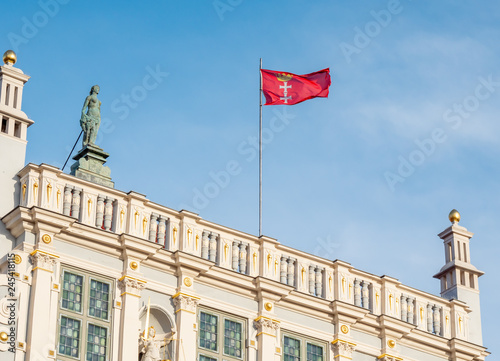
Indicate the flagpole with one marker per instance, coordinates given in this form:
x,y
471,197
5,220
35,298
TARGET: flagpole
x,y
260,150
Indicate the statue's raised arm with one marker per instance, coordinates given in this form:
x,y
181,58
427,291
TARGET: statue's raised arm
x,y
91,119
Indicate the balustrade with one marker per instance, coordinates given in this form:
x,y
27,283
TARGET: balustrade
x,y
245,254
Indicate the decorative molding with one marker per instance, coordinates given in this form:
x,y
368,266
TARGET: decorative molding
x,y
131,286
43,260
185,302
266,326
387,357
342,348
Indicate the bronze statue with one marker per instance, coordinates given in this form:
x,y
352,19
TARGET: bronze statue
x,y
90,122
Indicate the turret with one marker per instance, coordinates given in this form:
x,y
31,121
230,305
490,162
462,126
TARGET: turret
x,y
459,278
13,130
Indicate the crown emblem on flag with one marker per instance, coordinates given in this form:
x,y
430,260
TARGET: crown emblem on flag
x,y
284,76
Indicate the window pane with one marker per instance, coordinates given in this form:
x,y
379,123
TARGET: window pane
x,y
206,358
69,337
98,299
72,288
314,353
208,331
96,343
232,338
291,349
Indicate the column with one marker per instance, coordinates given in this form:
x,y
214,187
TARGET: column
x,y
365,294
311,279
357,292
187,325
212,250
234,255
99,221
319,282
204,244
283,270
153,227
39,339
162,226
131,292
404,308
291,272
108,213
430,327
243,258
411,310
437,320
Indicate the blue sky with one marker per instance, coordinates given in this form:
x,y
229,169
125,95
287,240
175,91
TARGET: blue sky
x,y
403,105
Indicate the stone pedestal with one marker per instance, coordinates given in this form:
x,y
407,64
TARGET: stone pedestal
x,y
89,165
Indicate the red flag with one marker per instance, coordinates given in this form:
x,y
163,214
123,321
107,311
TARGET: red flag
x,y
288,89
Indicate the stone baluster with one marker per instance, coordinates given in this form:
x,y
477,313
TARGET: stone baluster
x,y
283,266
357,292
235,253
311,279
204,244
67,200
99,217
162,226
430,327
108,213
404,308
212,249
153,227
319,282
75,203
411,310
437,320
290,275
243,258
365,294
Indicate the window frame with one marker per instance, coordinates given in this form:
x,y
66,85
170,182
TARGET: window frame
x,y
304,341
84,317
220,355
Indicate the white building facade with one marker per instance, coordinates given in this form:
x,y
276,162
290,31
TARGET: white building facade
x,y
80,262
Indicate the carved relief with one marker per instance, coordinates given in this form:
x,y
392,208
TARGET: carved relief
x,y
186,303
266,325
343,349
131,286
43,260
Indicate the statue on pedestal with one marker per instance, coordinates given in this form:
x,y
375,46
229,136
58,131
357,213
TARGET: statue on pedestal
x,y
150,346
90,159
91,120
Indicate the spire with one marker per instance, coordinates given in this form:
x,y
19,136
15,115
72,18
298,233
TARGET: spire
x,y
459,278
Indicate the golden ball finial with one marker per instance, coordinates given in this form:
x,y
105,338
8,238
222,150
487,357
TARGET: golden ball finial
x,y
454,216
9,57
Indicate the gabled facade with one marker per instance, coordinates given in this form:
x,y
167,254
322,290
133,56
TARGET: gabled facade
x,y
85,269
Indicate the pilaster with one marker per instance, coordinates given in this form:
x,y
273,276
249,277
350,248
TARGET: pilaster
x,y
130,293
186,306
267,332
41,332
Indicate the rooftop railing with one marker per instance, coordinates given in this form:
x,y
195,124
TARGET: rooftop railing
x,y
132,213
